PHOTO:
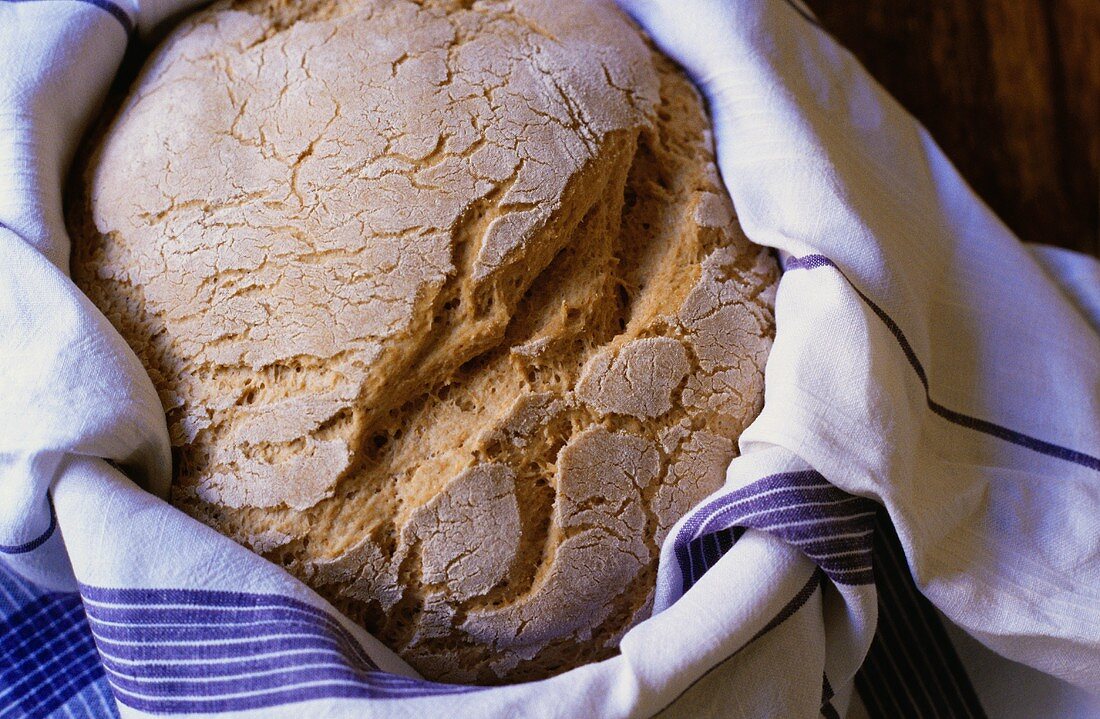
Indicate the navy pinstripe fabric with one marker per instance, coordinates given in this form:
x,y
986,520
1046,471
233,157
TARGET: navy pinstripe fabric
x,y
912,669
828,711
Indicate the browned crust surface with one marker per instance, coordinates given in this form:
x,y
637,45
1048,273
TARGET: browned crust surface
x,y
447,307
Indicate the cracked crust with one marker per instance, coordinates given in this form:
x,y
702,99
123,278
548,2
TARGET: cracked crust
x,y
448,310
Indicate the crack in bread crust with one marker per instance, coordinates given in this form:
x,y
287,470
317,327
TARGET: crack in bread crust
x,y
447,307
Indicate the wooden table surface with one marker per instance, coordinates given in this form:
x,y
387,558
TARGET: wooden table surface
x,y
1009,88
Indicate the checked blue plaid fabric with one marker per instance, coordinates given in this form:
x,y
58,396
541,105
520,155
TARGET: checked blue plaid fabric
x,y
48,665
48,661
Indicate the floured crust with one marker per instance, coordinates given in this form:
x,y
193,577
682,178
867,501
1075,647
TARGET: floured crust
x,y
448,310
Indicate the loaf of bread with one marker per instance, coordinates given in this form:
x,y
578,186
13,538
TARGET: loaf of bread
x,y
448,310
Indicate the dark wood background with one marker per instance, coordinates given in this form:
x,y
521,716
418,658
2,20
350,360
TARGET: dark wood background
x,y
1009,88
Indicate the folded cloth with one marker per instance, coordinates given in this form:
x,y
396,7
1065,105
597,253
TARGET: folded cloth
x,y
924,362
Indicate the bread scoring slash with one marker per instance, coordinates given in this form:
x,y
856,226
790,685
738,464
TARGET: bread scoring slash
x,y
447,307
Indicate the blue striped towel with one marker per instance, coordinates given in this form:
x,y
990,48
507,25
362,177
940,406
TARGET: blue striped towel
x,y
930,442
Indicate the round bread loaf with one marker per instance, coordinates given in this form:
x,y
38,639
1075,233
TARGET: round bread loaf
x,y
446,304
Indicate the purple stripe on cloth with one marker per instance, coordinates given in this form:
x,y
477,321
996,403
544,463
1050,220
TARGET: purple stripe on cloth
x,y
689,556
792,606
789,609
831,526
784,482
304,638
154,634
37,541
811,262
296,674
155,670
143,607
291,695
911,668
202,598
804,518
193,651
213,625
187,614
107,6
777,500
836,545
808,262
184,616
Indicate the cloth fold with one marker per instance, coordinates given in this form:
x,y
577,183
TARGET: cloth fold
x,y
923,357
925,361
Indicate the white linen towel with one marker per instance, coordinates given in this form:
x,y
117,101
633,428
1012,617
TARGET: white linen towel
x,y
925,361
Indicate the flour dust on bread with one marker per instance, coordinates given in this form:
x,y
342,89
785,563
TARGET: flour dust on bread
x,y
448,310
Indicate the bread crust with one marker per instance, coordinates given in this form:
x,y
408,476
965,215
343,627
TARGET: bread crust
x,y
448,309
